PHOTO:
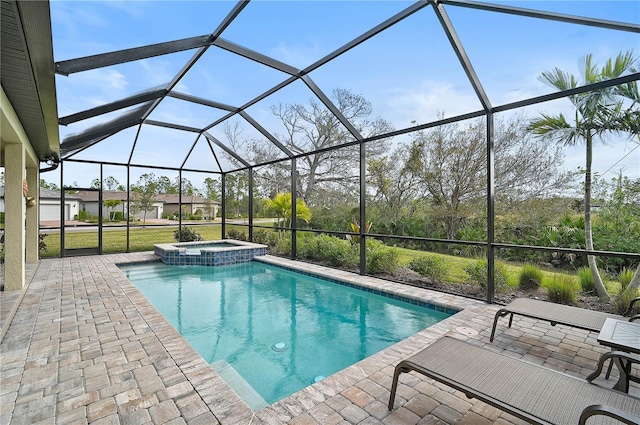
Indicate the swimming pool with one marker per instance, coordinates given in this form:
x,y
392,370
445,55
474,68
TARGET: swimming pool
x,y
269,331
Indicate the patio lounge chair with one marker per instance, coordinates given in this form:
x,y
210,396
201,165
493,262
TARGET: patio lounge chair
x,y
533,393
576,317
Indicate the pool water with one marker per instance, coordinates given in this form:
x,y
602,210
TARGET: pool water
x,y
270,331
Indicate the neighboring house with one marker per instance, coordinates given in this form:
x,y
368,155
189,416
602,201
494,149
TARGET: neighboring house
x,y
50,205
90,204
191,204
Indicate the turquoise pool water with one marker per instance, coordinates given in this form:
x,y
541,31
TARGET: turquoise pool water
x,y
270,331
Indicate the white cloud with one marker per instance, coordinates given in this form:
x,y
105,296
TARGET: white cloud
x,y
423,103
299,56
114,79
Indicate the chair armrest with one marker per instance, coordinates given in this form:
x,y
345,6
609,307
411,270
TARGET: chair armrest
x,y
634,318
630,357
611,412
631,304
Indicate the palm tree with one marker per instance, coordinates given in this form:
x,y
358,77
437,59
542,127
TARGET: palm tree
x,y
281,204
597,113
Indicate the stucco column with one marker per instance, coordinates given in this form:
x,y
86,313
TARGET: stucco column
x,y
32,224
14,217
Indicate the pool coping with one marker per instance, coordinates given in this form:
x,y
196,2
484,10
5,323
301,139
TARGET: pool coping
x,y
229,408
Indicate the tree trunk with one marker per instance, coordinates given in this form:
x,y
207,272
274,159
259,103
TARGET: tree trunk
x,y
634,285
600,288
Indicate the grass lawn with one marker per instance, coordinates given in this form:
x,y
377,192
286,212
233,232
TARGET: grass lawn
x,y
456,273
140,238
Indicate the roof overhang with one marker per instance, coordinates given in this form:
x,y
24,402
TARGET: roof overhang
x,y
27,72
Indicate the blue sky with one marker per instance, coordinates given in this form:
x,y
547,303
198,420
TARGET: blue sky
x,y
409,72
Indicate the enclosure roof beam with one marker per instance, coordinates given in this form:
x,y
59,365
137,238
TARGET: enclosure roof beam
x,y
552,16
201,101
172,126
458,48
367,35
77,142
253,101
113,106
224,24
102,60
334,110
226,149
265,133
255,56
570,92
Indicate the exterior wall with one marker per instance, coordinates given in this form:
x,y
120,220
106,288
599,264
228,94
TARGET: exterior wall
x,y
21,229
90,207
171,208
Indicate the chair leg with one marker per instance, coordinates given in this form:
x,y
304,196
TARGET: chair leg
x,y
609,368
500,313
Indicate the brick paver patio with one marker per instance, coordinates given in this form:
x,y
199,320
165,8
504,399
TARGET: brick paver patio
x,y
86,347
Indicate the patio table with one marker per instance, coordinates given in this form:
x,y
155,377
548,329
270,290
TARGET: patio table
x,y
624,336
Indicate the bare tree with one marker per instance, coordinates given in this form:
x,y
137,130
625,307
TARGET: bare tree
x,y
311,127
450,164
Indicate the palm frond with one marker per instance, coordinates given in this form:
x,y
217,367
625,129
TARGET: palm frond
x,y
558,79
622,64
554,127
589,70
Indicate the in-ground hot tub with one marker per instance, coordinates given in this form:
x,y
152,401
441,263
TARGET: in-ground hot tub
x,y
208,253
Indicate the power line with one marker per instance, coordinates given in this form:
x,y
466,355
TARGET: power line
x,y
629,153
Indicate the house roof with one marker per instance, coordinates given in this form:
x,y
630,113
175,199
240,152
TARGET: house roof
x,y
170,198
46,194
92,196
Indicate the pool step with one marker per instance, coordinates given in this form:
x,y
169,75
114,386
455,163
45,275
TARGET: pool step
x,y
239,385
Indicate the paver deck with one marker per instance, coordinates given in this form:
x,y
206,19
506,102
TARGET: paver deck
x,y
86,347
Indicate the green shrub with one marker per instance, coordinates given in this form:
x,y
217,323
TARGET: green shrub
x,y
83,215
42,245
477,272
265,238
562,290
381,258
283,245
1,217
622,300
195,217
430,266
118,216
587,282
330,249
186,234
236,234
626,275
530,277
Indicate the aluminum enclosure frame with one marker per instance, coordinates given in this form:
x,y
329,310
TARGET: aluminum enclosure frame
x,y
152,98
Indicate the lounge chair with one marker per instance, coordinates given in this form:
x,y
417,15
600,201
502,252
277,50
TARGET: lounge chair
x,y
576,317
533,393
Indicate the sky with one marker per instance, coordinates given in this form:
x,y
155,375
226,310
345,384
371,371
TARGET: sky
x,y
409,72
